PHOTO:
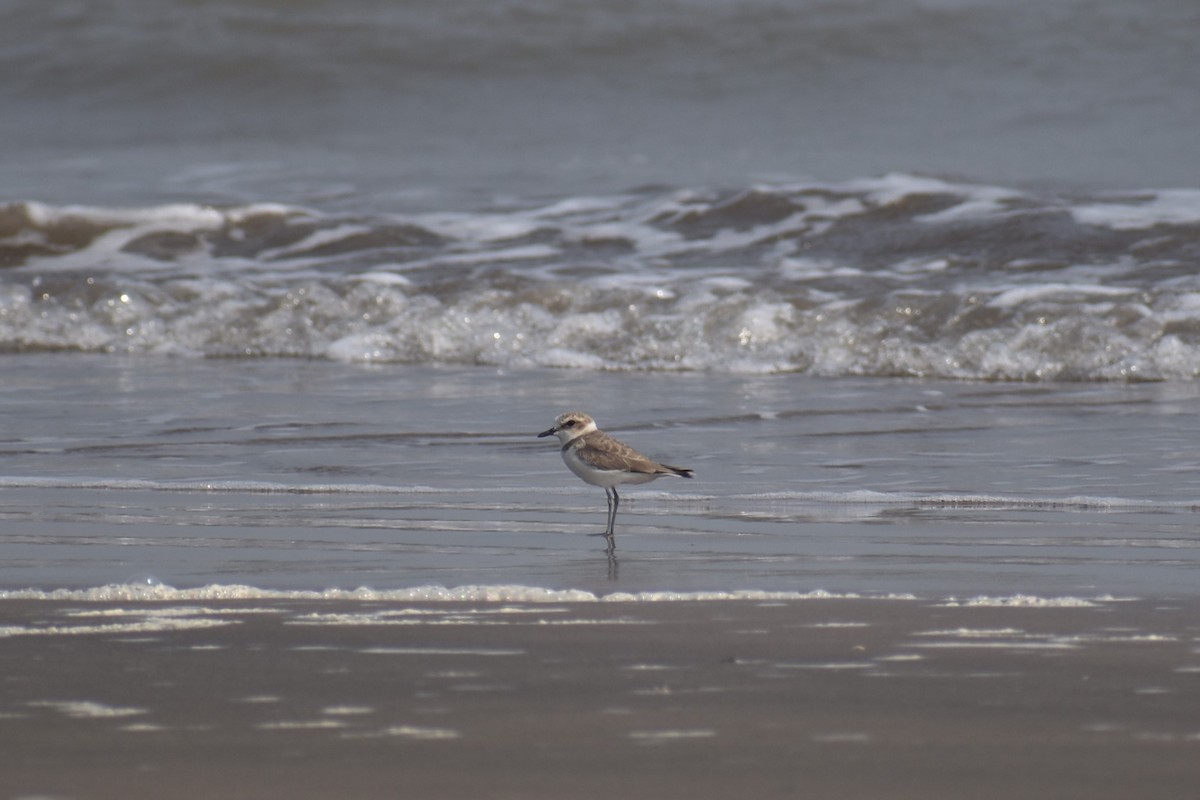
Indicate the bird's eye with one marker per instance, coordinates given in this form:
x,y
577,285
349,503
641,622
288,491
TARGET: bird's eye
x,y
569,423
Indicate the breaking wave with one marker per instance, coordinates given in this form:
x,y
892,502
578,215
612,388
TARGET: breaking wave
x,y
895,276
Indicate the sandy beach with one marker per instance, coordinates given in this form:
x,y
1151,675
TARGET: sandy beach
x,y
846,698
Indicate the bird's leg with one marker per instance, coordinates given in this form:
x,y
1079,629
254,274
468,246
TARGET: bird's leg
x,y
611,548
612,512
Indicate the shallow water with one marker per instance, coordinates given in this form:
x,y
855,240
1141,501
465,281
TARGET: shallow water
x,y
297,475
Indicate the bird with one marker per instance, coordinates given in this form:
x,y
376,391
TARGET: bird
x,y
601,460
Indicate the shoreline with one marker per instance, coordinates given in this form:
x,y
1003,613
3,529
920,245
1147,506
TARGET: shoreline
x,y
847,698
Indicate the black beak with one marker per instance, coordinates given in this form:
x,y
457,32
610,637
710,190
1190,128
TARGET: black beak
x,y
546,433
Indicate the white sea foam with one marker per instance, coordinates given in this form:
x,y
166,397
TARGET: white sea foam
x,y
832,666
151,624
138,592
347,711
774,278
88,709
197,616
421,732
671,735
302,725
159,613
995,645
442,651
1163,207
1030,601
315,240
174,215
1024,295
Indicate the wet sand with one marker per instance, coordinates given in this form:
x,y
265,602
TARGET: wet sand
x,y
837,698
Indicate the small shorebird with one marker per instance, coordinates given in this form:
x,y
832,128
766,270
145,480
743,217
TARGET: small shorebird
x,y
601,460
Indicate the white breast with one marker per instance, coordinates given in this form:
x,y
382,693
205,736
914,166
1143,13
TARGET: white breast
x,y
601,477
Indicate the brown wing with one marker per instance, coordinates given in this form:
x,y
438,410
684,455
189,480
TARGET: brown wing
x,y
604,452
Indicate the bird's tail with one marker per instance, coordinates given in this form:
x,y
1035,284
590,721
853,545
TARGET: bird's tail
x,y
682,472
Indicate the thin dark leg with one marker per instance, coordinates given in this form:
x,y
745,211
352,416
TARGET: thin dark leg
x,y
613,502
612,511
611,496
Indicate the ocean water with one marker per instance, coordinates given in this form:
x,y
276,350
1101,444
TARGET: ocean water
x,y
891,277
912,285
162,474
376,106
